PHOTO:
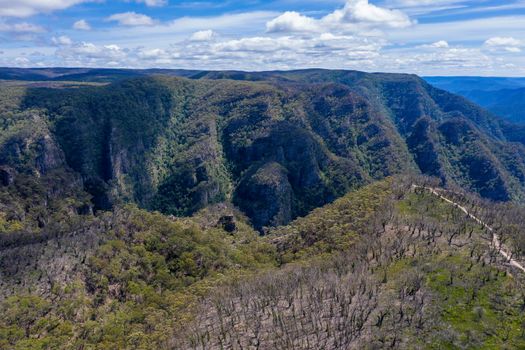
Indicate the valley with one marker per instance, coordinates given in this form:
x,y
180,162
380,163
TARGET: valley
x,y
271,210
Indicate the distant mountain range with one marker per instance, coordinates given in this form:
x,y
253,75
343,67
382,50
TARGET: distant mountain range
x,y
84,74
504,97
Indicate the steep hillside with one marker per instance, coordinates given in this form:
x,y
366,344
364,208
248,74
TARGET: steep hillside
x,y
447,135
178,145
276,144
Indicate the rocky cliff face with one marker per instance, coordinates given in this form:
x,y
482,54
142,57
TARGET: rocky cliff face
x,y
37,186
273,192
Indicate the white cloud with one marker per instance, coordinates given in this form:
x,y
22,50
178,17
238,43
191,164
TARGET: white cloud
x,y
508,44
441,44
503,41
362,11
158,57
86,48
356,15
203,35
62,40
256,44
22,62
453,61
26,8
92,55
153,53
81,25
249,53
326,50
438,45
361,34
21,28
153,3
292,21
131,19
513,49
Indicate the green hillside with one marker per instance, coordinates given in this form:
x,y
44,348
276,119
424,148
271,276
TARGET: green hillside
x,y
276,144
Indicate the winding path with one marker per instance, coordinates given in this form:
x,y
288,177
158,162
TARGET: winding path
x,y
495,238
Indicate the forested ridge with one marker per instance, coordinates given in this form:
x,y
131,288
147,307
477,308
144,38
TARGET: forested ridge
x,y
272,210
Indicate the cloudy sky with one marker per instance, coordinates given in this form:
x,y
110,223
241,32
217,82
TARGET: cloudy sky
x,y
427,37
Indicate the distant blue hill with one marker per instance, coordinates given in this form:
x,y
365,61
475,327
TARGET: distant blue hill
x,y
460,84
501,95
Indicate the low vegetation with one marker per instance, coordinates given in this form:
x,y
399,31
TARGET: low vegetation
x,y
397,268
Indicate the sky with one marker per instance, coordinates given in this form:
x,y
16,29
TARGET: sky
x,y
425,37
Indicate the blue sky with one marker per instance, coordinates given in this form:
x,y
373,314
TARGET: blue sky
x,y
426,37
